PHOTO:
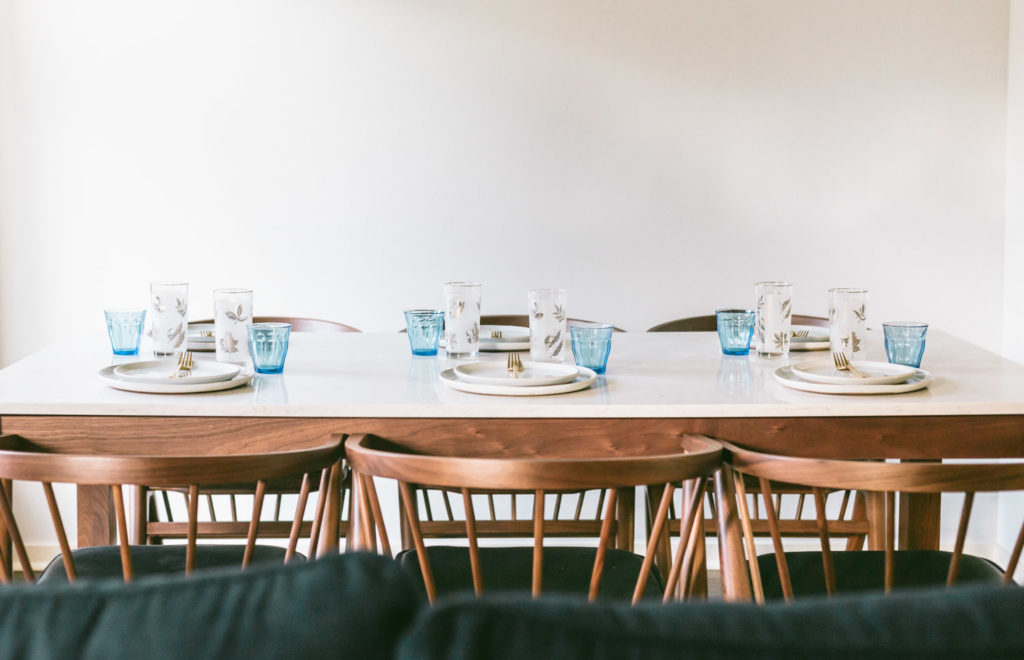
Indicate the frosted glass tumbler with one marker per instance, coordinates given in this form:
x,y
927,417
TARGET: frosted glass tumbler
x,y
847,321
168,316
232,316
774,318
462,319
548,324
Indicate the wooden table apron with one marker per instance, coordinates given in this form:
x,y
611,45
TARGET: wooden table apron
x,y
911,438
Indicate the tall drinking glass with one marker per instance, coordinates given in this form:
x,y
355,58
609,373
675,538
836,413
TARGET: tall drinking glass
x,y
232,316
169,316
548,324
847,321
774,318
462,319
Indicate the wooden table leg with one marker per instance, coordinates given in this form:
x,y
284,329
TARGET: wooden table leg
x,y
876,520
332,513
95,517
735,578
920,519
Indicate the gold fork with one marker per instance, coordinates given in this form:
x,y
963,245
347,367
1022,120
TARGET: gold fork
x,y
184,365
801,333
515,365
495,334
842,364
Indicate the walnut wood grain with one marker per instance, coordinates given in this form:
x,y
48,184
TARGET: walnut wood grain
x,y
981,436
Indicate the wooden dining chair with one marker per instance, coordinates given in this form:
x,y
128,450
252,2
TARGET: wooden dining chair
x,y
535,466
784,574
850,520
575,514
116,464
158,514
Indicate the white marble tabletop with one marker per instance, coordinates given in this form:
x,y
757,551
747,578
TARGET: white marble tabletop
x,y
649,375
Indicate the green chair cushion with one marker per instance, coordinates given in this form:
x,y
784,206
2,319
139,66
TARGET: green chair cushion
x,y
104,562
969,622
342,606
859,571
567,570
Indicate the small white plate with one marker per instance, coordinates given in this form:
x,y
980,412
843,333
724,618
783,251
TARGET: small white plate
x,y
876,373
534,374
510,334
158,372
584,380
919,380
496,345
107,377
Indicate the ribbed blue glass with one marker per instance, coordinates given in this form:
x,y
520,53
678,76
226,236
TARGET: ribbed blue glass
x,y
904,342
268,346
125,330
424,329
735,329
591,345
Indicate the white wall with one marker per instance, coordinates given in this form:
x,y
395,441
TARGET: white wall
x,y
655,158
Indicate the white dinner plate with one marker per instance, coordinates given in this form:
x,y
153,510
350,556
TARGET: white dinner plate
x,y
534,374
584,380
510,334
919,380
158,372
876,373
107,377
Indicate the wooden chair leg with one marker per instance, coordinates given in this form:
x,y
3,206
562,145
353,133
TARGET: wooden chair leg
x,y
876,520
626,503
139,515
860,513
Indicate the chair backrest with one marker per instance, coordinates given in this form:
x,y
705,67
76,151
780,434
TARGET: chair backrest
x,y
878,477
536,466
117,464
299,324
520,320
709,323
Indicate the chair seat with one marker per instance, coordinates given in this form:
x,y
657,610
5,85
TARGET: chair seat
x,y
104,562
567,570
858,571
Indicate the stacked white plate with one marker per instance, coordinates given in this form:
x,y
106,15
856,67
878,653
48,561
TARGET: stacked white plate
x,y
879,378
513,338
536,378
161,377
816,339
199,340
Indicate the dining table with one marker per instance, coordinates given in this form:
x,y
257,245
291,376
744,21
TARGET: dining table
x,y
656,383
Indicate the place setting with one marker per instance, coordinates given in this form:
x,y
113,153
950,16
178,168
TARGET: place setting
x,y
458,330
243,348
904,348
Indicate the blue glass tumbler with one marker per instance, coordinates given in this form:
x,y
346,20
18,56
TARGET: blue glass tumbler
x,y
735,329
424,329
591,345
268,346
904,342
125,329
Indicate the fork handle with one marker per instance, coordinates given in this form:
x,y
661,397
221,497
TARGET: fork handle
x,y
854,371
